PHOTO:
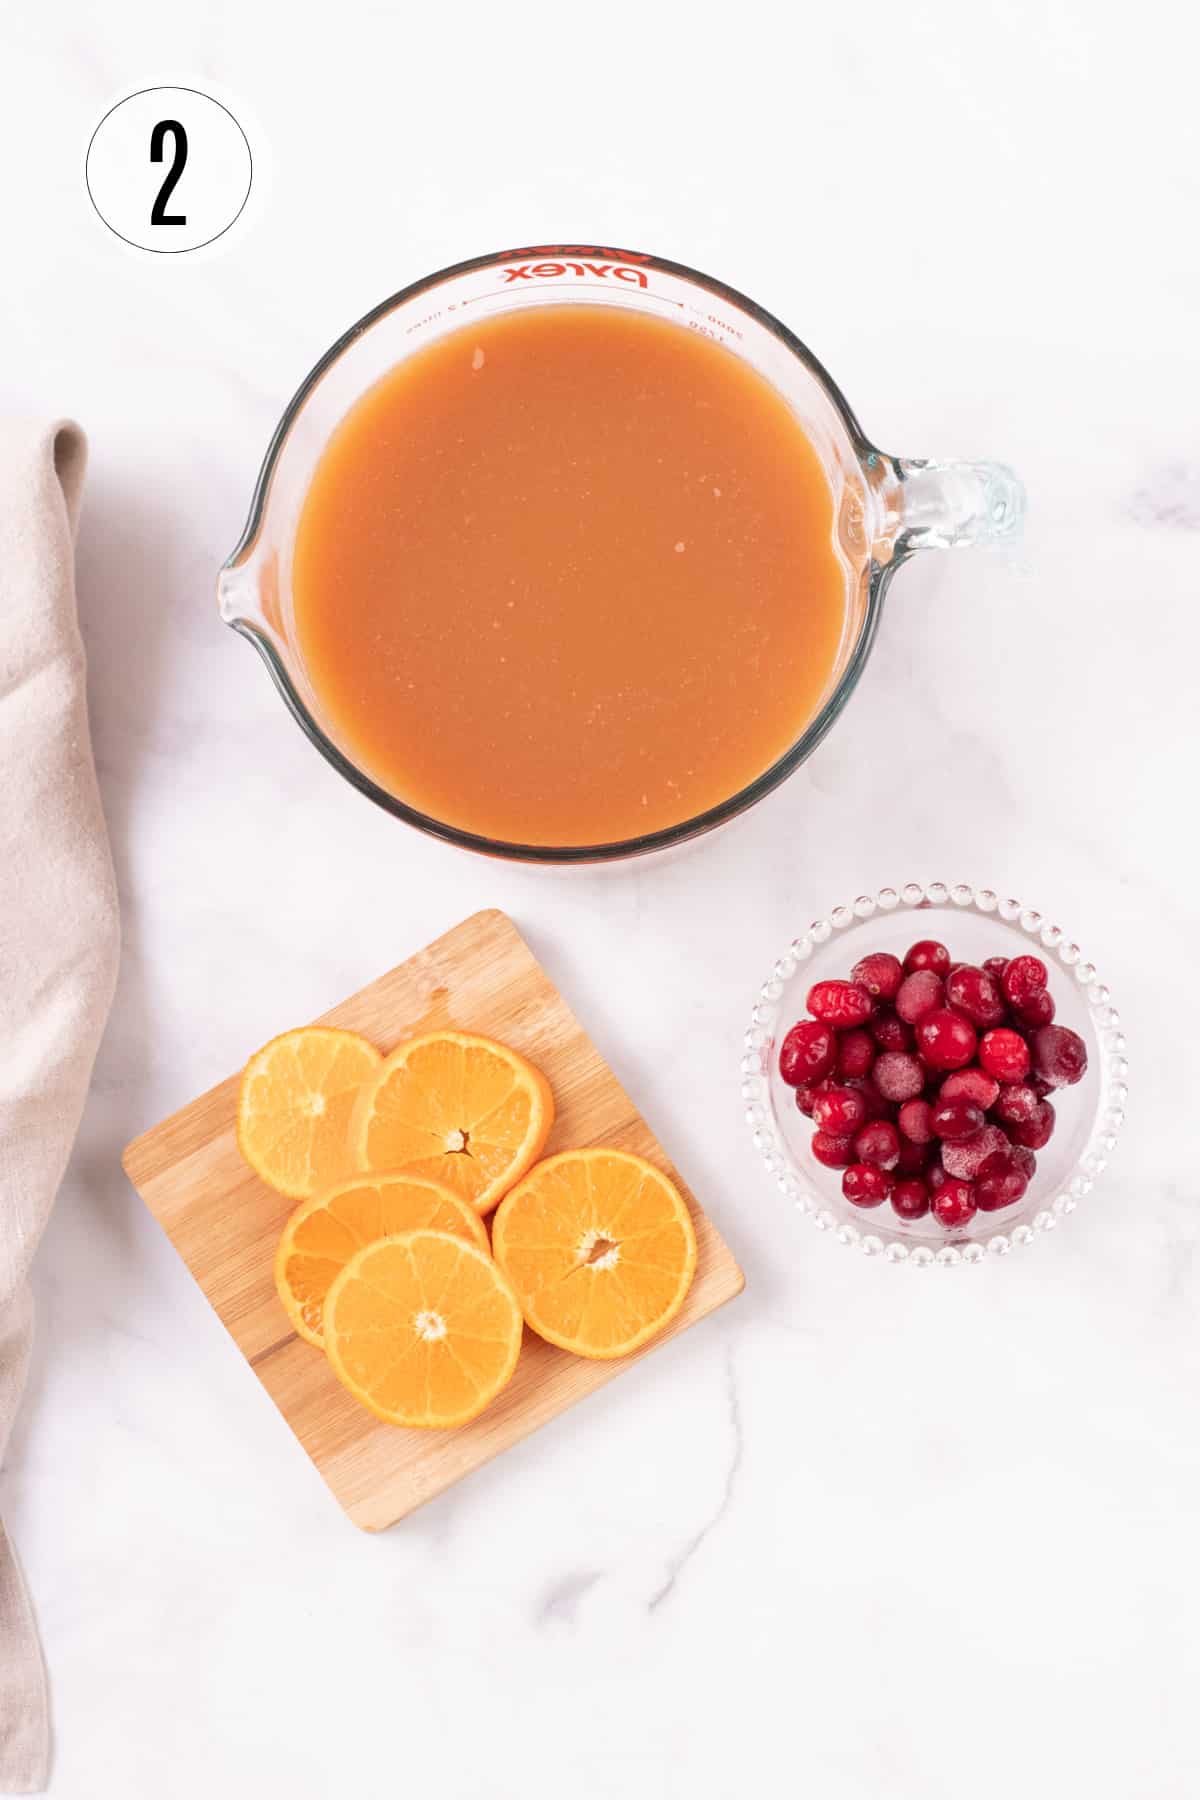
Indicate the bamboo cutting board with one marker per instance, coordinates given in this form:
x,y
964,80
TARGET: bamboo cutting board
x,y
225,1223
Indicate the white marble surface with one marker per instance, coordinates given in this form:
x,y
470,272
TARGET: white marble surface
x,y
873,1534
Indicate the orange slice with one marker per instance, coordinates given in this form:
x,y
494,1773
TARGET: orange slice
x,y
600,1250
297,1098
423,1329
325,1232
461,1110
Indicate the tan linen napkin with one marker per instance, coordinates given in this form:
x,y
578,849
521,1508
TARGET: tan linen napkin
x,y
58,955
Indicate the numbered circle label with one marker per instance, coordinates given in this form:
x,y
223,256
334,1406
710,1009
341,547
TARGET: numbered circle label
x,y
169,169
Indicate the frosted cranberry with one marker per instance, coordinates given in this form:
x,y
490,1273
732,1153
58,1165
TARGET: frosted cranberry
x,y
840,1004
935,1177
1037,1010
1024,977
1024,1159
890,1032
839,1110
864,1185
1004,1054
898,1075
878,1144
995,967
1041,1088
999,1182
1015,1104
946,1040
972,991
877,1107
970,1084
880,973
1035,1132
856,1052
919,994
913,1158
1059,1055
955,1120
807,1052
916,1121
964,1160
927,953
910,1199
833,1152
954,1204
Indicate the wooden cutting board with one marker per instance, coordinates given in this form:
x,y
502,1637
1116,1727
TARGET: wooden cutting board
x,y
225,1223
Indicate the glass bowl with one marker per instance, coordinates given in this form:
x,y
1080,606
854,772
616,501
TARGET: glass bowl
x,y
974,923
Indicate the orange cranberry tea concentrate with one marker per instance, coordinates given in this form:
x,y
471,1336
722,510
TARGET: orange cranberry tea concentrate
x,y
567,577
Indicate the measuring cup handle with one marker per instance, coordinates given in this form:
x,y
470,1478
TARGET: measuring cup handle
x,y
949,505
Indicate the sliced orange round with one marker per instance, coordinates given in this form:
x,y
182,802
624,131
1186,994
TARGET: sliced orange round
x,y
600,1249
458,1109
423,1329
325,1232
297,1098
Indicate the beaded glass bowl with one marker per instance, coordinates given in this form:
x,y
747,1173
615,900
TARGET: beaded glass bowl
x,y
974,923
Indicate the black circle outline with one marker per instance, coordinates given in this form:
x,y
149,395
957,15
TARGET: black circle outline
x,y
167,87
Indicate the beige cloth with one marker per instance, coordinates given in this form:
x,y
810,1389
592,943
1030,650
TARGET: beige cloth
x,y
58,955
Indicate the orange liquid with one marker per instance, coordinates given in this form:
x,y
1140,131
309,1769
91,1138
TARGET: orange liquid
x,y
568,576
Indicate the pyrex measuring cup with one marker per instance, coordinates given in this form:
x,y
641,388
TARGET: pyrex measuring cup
x,y
885,507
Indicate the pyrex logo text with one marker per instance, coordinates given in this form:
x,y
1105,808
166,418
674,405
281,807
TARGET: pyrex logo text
x,y
618,271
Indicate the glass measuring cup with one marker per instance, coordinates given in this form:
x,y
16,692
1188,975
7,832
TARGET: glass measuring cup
x,y
885,507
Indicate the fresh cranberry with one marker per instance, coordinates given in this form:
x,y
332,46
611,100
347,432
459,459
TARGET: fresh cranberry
x,y
856,1052
1024,977
1035,1132
880,973
898,1075
995,967
1005,1054
833,1152
840,1004
999,1182
877,1107
806,1094
1025,1160
807,1052
919,994
916,1121
946,1040
1037,1010
954,1204
878,1143
1059,1055
913,1158
839,1110
864,1185
956,1120
910,1199
927,953
970,1084
964,1160
973,992
890,1032
1015,1103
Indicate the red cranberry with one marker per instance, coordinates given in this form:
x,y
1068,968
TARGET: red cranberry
x,y
946,1040
919,994
855,1052
898,1076
806,1094
973,992
955,1120
954,1204
1024,1160
1005,1054
1024,977
970,1084
890,1032
864,1185
839,1110
1037,1010
807,1052
995,967
840,1004
999,1182
880,973
878,1143
1040,1087
927,953
1035,1132
910,1199
1015,1103
913,1158
877,1107
916,1121
1059,1055
963,1160
935,1177
833,1152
